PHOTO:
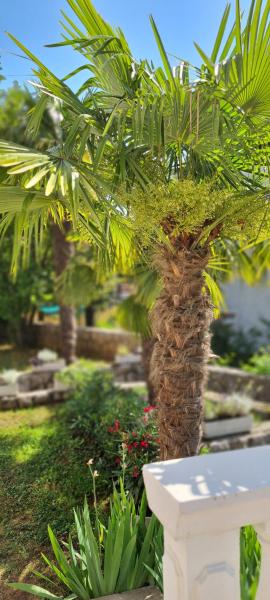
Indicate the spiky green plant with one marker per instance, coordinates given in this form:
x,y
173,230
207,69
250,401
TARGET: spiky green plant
x,y
104,558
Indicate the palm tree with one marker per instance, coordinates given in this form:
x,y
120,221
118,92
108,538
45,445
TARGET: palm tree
x,y
175,151
15,104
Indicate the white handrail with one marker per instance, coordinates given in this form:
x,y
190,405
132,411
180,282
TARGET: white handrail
x,y
202,503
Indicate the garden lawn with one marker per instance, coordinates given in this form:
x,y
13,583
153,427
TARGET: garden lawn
x,y
43,475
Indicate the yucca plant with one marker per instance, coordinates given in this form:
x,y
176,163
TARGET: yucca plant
x,y
103,558
182,154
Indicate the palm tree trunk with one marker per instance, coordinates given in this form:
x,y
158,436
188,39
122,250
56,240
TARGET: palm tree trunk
x,y
63,251
180,322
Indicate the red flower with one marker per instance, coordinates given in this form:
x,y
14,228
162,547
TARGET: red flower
x,y
136,472
149,408
134,434
115,427
129,447
117,460
144,444
135,444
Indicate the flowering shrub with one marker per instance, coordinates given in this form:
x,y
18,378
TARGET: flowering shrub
x,y
117,426
136,446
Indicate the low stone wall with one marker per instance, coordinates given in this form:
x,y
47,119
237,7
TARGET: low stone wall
x,y
39,378
55,394
228,380
100,344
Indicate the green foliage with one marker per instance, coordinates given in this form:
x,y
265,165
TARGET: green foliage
x,y
234,346
105,557
133,316
43,475
15,103
117,426
233,405
196,209
133,130
83,281
259,363
20,298
133,312
250,561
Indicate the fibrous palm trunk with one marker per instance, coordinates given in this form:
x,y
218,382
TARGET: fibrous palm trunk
x,y
180,322
63,251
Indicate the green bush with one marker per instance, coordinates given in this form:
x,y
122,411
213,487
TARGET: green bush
x,y
233,405
107,557
118,427
259,363
233,346
21,297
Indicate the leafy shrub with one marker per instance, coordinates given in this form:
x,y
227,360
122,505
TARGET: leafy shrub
x,y
105,558
21,297
259,363
233,346
234,405
118,426
78,374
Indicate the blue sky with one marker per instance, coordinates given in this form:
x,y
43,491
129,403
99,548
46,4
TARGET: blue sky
x,y
36,22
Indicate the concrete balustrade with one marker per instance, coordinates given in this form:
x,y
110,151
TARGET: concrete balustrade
x,y
202,503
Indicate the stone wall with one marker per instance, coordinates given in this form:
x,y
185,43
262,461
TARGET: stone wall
x,y
229,380
100,344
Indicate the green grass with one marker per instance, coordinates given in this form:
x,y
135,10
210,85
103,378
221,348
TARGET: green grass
x,y
43,476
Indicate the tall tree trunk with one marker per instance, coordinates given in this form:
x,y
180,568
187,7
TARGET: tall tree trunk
x,y
63,251
90,315
180,322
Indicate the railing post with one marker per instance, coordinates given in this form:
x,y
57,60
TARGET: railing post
x,y
202,502
202,567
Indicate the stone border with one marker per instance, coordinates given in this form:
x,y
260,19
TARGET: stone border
x,y
227,380
58,393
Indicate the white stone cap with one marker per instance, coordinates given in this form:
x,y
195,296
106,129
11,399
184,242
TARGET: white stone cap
x,y
210,493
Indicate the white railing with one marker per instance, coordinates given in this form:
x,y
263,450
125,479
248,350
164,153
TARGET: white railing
x,y
202,502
